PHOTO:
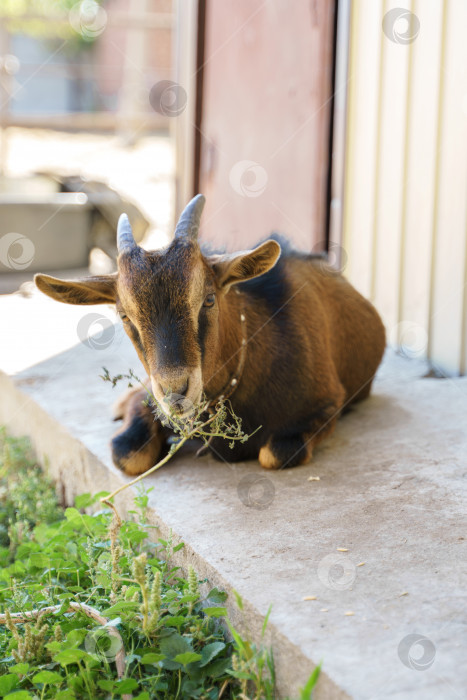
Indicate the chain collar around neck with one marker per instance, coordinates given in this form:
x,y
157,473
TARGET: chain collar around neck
x,y
234,380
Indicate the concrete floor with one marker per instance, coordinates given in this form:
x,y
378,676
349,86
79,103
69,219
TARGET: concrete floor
x,y
392,493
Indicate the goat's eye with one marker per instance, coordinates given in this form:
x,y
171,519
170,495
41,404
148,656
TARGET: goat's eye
x,y
210,299
123,316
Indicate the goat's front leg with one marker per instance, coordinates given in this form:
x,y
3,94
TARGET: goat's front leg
x,y
142,439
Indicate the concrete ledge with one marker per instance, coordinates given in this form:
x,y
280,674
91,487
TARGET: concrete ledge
x,y
392,492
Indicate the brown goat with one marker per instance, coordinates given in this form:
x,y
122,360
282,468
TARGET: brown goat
x,y
289,340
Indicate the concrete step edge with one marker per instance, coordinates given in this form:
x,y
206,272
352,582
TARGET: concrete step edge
x,y
76,470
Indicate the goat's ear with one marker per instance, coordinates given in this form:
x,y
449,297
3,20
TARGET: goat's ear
x,y
93,290
239,267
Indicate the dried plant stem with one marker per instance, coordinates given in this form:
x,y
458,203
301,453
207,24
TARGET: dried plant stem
x,y
186,431
192,433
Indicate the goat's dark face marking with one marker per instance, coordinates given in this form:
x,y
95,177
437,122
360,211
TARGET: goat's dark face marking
x,y
167,302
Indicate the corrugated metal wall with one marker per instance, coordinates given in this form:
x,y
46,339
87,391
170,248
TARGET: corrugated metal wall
x,y
405,213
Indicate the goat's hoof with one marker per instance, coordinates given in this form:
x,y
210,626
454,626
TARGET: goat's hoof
x,y
290,452
132,462
267,459
134,451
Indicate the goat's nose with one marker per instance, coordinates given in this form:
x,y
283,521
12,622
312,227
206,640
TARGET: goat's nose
x,y
182,390
180,387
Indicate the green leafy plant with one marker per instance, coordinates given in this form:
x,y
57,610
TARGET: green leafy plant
x,y
92,608
48,19
27,497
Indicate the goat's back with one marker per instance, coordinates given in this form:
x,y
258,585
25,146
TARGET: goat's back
x,y
324,318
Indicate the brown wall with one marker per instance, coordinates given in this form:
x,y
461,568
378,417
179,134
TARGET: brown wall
x,y
266,100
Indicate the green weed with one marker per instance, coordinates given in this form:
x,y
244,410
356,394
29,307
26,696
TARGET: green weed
x,y
93,608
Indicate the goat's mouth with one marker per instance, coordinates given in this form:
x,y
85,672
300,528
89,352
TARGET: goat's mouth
x,y
179,406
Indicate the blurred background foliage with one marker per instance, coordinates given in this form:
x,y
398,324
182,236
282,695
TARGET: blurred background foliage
x,y
55,19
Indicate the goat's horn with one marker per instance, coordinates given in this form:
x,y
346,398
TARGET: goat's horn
x,y
188,223
125,240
